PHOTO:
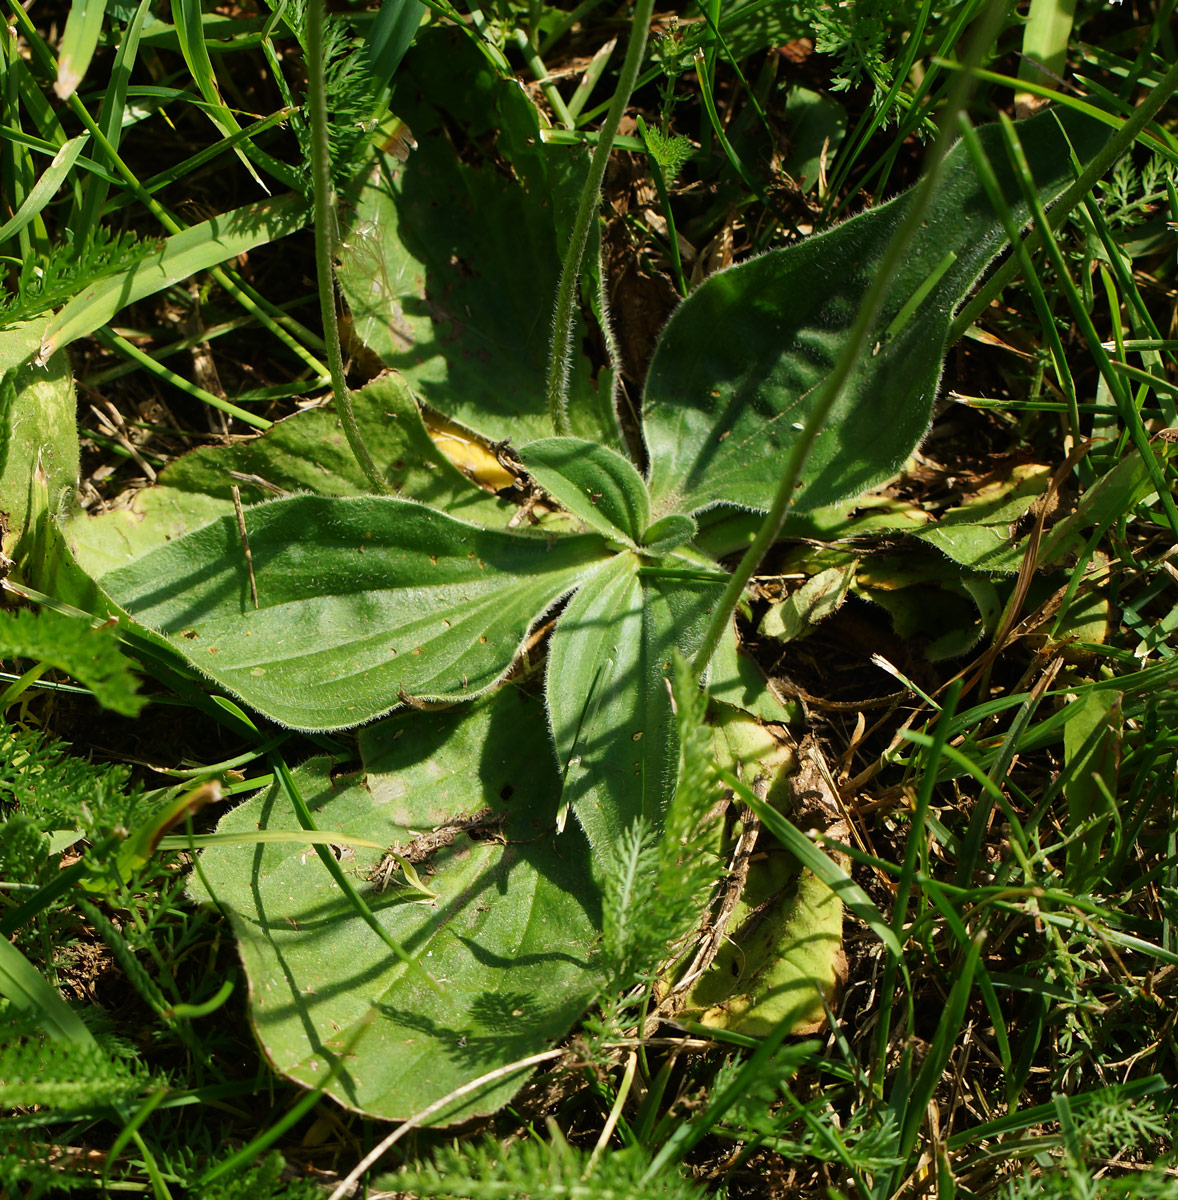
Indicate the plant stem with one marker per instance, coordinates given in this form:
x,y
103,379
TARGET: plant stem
x,y
831,388
562,333
325,241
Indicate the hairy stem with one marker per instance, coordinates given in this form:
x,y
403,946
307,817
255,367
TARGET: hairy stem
x,y
325,241
831,388
562,333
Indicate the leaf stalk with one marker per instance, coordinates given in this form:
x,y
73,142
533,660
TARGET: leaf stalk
x,y
325,242
562,333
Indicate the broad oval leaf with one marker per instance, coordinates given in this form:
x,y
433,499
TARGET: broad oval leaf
x,y
592,482
470,794
362,602
668,533
734,373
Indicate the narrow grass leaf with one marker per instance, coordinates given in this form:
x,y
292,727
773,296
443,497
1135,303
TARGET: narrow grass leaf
x,y
45,188
83,27
183,254
1039,1114
1092,753
189,25
391,35
110,118
913,1104
28,989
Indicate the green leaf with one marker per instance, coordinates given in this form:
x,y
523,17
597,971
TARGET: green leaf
x,y
817,124
189,25
1092,756
668,534
510,938
834,876
362,602
592,482
670,151
28,989
83,27
183,254
1114,494
735,679
608,664
45,188
450,269
732,376
932,603
90,655
306,452
978,532
390,35
84,220
38,454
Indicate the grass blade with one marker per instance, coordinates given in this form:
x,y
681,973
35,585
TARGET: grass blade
x,y
391,35
45,188
189,26
195,249
83,27
110,117
914,1102
27,988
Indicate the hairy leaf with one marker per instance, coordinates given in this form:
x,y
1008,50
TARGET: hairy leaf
x,y
450,269
608,665
736,368
361,602
980,532
38,453
306,452
593,482
509,939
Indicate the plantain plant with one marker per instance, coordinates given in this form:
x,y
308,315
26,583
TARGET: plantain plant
x,y
467,940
